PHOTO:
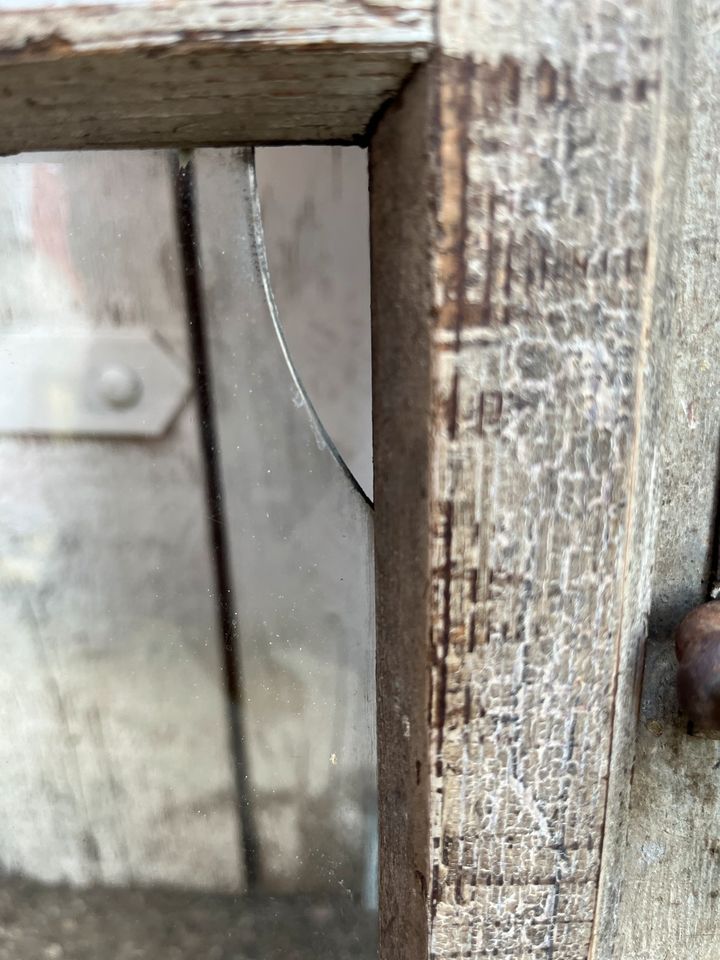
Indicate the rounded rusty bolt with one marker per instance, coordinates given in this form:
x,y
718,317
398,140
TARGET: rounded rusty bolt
x,y
697,645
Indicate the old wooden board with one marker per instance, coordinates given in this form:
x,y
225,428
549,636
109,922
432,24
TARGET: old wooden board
x,y
547,346
668,879
299,541
198,72
115,754
401,241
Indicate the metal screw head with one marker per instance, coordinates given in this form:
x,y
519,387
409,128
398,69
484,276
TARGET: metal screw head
x,y
697,644
119,386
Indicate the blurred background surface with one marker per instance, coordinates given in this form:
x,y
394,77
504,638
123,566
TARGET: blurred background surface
x,y
186,686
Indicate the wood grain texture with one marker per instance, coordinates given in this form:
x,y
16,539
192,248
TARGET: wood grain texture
x,y
196,72
669,876
116,766
402,191
548,346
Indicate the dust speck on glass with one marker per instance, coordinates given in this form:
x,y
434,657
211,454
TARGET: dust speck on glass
x,y
187,696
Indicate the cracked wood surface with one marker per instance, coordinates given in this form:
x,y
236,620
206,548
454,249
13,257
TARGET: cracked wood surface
x,y
197,72
546,339
521,251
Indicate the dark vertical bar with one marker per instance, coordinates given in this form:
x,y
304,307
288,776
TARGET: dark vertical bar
x,y
713,582
185,207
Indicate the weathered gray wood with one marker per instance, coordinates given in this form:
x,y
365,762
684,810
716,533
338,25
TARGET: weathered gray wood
x,y
668,879
114,755
202,71
545,343
300,544
521,324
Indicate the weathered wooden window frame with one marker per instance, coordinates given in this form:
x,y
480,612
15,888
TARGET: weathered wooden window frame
x,y
519,373
197,74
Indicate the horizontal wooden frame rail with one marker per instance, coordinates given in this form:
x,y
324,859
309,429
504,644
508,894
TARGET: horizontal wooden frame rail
x,y
142,73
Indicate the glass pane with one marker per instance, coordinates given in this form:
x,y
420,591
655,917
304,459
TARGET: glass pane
x,y
316,221
187,679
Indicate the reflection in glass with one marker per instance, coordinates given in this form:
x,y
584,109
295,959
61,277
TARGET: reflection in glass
x,y
186,682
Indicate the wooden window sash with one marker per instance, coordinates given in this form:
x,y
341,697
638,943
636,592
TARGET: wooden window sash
x,y
528,182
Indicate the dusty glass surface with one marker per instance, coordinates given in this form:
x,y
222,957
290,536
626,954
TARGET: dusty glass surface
x,y
316,220
187,675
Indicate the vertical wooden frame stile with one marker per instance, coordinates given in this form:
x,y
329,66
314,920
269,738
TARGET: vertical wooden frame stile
x,y
526,189
523,208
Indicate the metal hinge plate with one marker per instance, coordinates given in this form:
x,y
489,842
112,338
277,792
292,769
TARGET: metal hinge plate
x,y
89,383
